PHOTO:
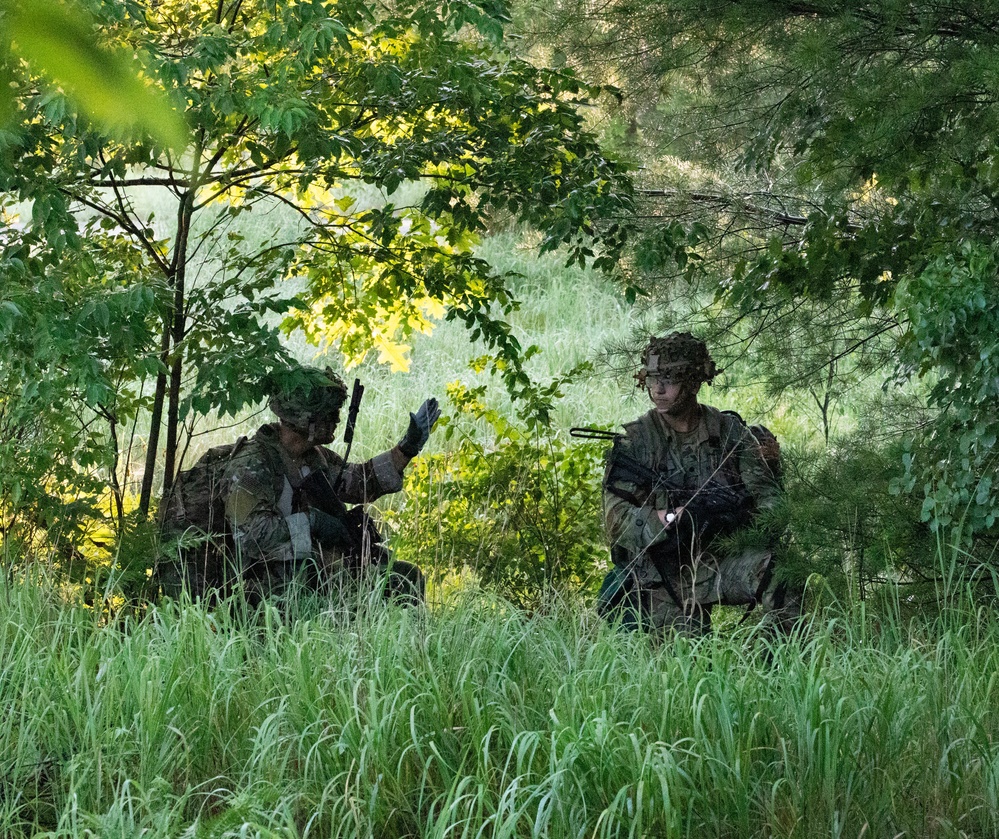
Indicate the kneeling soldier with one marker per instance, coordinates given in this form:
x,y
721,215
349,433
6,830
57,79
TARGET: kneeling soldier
x,y
285,494
680,479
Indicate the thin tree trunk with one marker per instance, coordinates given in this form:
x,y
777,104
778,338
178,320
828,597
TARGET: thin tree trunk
x,y
173,335
179,325
116,491
155,421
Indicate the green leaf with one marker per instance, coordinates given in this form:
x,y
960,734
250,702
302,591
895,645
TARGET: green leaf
x,y
57,40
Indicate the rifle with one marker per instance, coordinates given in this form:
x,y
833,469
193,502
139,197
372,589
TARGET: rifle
x,y
320,490
711,510
348,430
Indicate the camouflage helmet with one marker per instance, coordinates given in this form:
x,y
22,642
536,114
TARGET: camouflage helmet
x,y
302,396
679,354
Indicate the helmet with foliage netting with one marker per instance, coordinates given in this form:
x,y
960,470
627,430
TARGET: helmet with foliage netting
x,y
301,396
679,355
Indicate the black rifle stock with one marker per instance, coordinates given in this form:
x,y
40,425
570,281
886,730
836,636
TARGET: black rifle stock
x,y
355,406
361,538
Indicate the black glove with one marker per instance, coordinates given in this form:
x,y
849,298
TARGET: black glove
x,y
328,531
420,424
719,510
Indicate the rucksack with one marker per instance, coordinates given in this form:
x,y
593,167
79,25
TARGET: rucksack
x,y
768,443
196,538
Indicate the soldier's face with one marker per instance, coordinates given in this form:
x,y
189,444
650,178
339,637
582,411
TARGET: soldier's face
x,y
326,429
672,394
323,429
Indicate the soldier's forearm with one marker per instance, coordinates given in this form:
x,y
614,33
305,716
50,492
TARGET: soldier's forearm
x,y
634,526
399,459
365,482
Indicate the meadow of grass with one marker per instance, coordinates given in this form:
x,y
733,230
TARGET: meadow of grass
x,y
470,719
571,314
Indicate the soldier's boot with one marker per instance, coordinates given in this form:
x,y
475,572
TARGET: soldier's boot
x,y
404,583
783,608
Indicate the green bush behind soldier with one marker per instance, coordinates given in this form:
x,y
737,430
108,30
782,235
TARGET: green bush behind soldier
x,y
285,495
678,481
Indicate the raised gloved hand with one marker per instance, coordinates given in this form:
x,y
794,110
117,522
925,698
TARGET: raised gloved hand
x,y
328,531
420,424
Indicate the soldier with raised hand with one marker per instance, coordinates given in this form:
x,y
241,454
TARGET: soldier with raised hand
x,y
285,496
680,479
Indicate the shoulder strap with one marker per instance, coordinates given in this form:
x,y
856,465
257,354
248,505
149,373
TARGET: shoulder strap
x,y
730,445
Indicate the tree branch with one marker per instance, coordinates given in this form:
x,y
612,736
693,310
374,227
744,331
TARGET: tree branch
x,y
124,222
146,181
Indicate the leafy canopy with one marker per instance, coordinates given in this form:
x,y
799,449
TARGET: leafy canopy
x,y
832,155
376,143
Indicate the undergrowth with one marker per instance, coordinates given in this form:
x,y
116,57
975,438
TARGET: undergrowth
x,y
472,719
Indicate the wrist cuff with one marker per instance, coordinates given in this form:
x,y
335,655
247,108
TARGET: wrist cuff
x,y
301,534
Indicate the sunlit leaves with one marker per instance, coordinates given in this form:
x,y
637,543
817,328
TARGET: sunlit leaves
x,y
393,274
314,115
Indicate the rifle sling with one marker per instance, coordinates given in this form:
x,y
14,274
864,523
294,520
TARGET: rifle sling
x,y
768,575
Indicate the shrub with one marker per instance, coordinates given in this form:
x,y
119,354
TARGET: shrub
x,y
522,513
849,525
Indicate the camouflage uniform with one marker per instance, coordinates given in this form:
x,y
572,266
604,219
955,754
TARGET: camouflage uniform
x,y
264,515
268,511
719,451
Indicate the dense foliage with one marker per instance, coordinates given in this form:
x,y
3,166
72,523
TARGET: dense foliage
x,y
818,199
57,41
323,110
521,511
828,161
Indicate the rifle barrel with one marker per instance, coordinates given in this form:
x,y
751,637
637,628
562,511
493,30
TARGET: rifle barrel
x,y
348,430
593,434
355,406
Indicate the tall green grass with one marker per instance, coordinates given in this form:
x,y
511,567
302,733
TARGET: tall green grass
x,y
472,720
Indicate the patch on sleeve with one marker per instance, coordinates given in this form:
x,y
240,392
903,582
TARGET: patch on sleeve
x,y
301,534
